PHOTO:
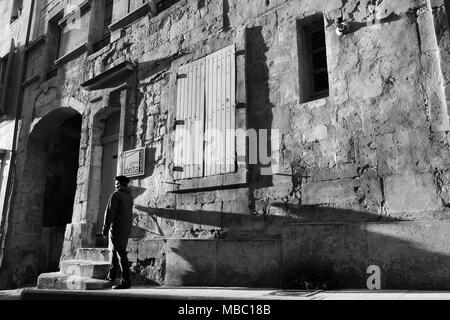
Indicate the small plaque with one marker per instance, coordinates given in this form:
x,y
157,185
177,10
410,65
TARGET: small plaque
x,y
134,163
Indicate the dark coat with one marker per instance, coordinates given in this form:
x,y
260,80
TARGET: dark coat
x,y
118,217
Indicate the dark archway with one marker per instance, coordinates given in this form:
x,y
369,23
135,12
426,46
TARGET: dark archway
x,y
54,143
60,185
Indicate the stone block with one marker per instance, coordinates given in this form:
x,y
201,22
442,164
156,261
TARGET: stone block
x,y
278,191
211,220
411,194
330,192
191,262
186,219
335,254
426,31
94,254
48,280
317,133
206,197
215,208
132,249
340,171
81,283
236,207
394,153
190,207
237,222
371,191
230,195
252,263
82,268
186,198
151,249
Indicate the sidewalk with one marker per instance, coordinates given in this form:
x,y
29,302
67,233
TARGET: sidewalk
x,y
197,293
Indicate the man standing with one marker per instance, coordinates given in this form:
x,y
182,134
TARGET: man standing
x,y
118,220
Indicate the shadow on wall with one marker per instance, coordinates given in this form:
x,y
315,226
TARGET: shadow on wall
x,y
308,248
260,107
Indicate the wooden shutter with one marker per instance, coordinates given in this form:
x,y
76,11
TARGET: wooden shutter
x,y
6,79
220,153
190,113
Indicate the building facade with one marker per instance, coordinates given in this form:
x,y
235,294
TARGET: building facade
x,y
276,143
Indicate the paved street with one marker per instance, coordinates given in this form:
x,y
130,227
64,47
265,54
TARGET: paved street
x,y
169,293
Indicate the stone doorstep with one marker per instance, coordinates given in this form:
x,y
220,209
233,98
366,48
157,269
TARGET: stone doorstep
x,y
85,268
94,254
59,281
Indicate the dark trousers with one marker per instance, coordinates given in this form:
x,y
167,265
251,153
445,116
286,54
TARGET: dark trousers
x,y
120,260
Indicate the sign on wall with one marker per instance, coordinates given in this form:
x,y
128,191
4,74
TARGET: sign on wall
x,y
134,163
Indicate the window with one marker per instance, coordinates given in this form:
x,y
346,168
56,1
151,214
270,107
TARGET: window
x,y
134,5
3,67
74,30
107,20
162,5
2,163
5,78
205,116
16,9
313,70
53,46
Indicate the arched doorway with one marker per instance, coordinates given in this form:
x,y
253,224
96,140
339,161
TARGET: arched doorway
x,y
109,141
60,186
54,143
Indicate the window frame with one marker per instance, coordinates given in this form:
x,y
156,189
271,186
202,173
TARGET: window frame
x,y
53,47
307,74
240,177
159,5
2,165
207,109
3,73
107,17
6,78
16,10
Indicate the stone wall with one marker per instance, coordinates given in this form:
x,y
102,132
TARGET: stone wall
x,y
376,148
359,170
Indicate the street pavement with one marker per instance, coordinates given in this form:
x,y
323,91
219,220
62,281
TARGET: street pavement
x,y
198,293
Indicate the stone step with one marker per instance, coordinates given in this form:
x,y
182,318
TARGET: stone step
x,y
59,281
94,254
85,268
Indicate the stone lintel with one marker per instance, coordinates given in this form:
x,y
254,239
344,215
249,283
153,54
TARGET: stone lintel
x,y
104,80
78,51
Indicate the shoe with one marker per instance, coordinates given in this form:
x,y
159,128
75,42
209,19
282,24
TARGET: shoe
x,y
122,285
